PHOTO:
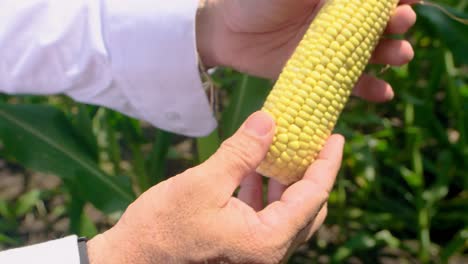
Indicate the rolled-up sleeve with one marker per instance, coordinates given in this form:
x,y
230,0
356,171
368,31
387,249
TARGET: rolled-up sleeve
x,y
137,57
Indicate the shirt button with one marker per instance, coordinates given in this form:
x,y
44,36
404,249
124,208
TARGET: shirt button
x,y
172,116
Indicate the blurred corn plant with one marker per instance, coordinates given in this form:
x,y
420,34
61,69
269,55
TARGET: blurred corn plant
x,y
401,196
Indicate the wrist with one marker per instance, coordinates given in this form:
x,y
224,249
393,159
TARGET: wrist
x,y
96,248
103,249
205,23
121,245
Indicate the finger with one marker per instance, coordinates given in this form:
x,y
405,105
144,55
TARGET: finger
x,y
392,51
402,20
311,228
324,169
251,191
372,89
314,226
275,190
237,157
302,201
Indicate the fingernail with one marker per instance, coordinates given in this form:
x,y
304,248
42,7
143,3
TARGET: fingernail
x,y
390,94
259,124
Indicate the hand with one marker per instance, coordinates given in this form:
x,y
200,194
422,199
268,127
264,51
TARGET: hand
x,y
194,218
257,37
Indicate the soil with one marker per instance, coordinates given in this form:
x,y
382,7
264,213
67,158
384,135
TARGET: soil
x,y
46,220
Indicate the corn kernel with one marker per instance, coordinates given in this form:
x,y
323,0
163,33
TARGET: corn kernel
x,y
317,80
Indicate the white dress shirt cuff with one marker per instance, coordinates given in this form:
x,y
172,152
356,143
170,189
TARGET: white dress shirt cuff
x,y
59,251
152,45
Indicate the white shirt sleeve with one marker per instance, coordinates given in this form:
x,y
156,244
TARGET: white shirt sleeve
x,y
137,57
60,251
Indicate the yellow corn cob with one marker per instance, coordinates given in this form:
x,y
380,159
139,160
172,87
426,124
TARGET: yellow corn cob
x,y
317,80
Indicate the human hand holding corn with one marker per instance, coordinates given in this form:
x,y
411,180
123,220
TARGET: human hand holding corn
x,y
323,70
257,37
194,218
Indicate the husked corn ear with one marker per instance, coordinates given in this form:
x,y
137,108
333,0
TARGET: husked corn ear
x,y
317,81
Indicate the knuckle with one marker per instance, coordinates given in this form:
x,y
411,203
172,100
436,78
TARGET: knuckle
x,y
320,192
175,190
273,250
323,196
241,154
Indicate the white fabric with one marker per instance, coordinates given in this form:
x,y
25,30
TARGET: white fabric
x,y
137,57
59,251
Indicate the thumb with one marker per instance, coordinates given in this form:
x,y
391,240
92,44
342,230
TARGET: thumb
x,y
239,155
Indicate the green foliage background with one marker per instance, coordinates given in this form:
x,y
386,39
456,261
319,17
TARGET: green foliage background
x,y
402,193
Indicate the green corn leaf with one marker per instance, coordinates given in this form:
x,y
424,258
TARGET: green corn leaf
x,y
361,241
40,138
5,210
6,240
80,223
247,98
157,159
452,33
207,146
456,245
83,125
26,202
